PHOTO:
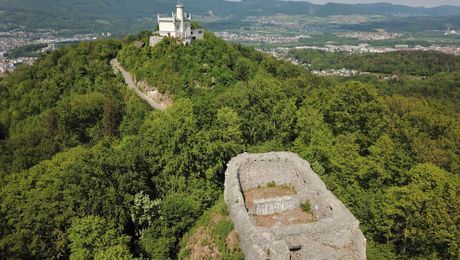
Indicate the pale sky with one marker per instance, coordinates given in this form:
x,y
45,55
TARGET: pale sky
x,y
426,3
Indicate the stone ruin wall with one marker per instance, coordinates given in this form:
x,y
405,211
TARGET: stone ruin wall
x,y
275,205
334,235
250,176
271,165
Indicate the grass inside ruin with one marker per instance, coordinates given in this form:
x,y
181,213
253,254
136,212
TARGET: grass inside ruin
x,y
272,190
289,217
306,207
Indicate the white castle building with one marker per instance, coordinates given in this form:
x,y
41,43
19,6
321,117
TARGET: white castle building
x,y
178,25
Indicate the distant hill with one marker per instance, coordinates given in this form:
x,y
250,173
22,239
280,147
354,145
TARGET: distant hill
x,y
385,9
127,15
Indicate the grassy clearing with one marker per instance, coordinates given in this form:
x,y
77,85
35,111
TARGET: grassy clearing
x,y
212,237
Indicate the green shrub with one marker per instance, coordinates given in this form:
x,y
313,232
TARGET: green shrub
x,y
271,184
306,207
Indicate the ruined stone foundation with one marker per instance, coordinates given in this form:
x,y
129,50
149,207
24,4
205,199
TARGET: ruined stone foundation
x,y
266,195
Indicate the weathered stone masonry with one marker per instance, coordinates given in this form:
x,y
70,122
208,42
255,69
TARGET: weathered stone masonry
x,y
274,205
335,234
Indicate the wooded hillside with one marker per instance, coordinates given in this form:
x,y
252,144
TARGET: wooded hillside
x,y
88,170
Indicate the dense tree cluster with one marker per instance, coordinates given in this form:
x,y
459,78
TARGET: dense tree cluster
x,y
68,98
420,63
87,170
32,50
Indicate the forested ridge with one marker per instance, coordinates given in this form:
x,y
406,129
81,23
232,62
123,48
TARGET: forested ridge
x,y
418,63
89,171
123,16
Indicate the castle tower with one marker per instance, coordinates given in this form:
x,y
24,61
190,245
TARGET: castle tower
x,y
181,16
178,26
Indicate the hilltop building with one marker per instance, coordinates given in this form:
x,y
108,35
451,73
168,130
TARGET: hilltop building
x,y
178,25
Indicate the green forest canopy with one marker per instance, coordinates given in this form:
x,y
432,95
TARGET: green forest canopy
x,y
418,63
88,170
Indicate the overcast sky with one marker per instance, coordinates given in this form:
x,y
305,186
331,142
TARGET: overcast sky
x,y
426,3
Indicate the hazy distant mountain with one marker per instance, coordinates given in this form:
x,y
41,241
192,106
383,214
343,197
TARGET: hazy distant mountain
x,y
126,15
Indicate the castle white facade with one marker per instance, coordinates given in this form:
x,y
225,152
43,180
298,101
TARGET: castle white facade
x,y
178,25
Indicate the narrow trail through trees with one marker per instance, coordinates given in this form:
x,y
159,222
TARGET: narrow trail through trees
x,y
132,85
